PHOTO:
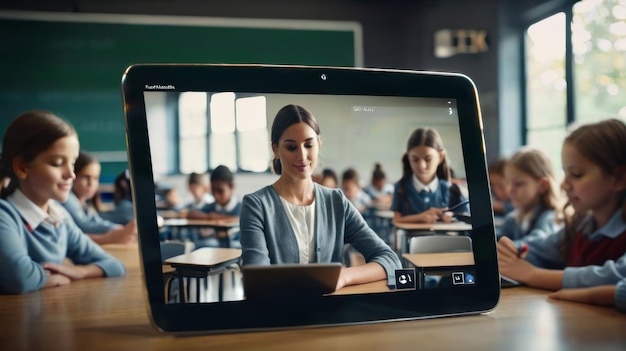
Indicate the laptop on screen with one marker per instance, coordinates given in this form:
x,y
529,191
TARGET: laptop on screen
x,y
183,118
290,280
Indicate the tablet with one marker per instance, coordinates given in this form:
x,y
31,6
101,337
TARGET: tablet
x,y
183,118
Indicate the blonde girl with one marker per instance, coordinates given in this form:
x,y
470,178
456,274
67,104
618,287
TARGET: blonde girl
x,y
531,186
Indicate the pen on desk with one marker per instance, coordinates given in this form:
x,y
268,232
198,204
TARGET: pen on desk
x,y
462,203
521,248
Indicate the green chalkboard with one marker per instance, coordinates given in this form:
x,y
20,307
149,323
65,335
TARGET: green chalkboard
x,y
72,64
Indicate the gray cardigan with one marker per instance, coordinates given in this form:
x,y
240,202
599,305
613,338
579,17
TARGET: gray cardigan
x,y
268,238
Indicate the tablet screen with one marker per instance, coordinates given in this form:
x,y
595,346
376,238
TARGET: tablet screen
x,y
193,119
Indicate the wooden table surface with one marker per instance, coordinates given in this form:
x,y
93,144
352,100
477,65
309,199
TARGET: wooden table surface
x,y
110,314
441,259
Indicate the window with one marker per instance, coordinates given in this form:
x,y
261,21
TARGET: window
x,y
223,129
599,49
192,132
595,58
546,85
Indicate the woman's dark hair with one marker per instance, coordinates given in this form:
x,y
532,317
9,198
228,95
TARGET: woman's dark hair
x,y
350,174
121,187
285,118
26,137
83,160
422,137
222,174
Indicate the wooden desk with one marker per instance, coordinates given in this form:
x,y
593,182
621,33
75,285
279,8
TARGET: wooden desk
x,y
110,314
202,263
446,261
374,287
416,229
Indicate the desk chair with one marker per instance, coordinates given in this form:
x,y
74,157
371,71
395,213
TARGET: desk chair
x,y
171,249
440,243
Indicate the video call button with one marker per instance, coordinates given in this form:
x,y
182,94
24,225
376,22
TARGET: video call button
x,y
458,278
405,278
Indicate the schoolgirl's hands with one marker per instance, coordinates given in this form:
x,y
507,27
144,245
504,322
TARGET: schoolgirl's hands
x,y
597,295
71,272
511,262
55,280
431,215
123,235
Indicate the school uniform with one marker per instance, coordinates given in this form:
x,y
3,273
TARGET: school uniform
x,y
596,257
232,208
122,213
620,295
30,237
361,201
420,197
206,199
375,193
268,237
87,218
539,225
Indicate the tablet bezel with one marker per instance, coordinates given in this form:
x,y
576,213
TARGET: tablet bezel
x,y
329,310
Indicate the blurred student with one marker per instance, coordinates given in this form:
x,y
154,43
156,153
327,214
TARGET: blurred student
x,y
350,184
499,197
297,221
199,188
226,207
379,189
590,250
122,211
36,233
424,193
532,189
329,179
83,204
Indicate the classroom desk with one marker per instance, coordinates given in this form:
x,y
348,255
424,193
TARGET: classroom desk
x,y
441,261
200,264
416,229
220,225
110,314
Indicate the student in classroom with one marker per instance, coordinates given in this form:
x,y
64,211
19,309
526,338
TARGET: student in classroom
x,y
532,188
425,192
225,207
122,211
379,189
36,233
83,204
591,248
329,178
499,198
295,220
200,190
350,184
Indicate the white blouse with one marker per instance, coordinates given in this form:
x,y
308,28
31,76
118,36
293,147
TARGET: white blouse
x,y
302,219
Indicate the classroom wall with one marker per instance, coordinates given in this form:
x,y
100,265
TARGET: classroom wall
x,y
396,34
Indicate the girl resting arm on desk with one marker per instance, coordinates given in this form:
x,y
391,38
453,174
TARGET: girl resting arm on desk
x,y
83,204
604,295
36,233
424,193
591,249
296,220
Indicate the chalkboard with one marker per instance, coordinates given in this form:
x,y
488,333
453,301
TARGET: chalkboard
x,y
72,63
